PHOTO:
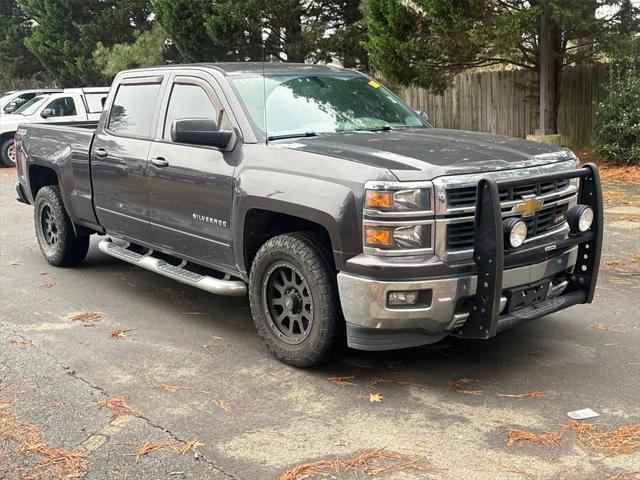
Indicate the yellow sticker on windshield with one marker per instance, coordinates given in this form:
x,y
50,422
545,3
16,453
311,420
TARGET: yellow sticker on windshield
x,y
374,84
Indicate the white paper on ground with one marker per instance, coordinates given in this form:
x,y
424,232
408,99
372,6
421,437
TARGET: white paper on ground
x,y
583,414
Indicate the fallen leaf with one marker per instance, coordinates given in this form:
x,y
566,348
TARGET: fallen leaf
x,y
223,405
20,342
531,394
87,319
163,387
546,439
190,445
456,386
373,397
149,447
117,406
370,463
625,439
604,326
52,462
120,332
380,381
342,381
47,285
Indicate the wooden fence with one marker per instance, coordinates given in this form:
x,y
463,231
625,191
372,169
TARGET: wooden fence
x,y
506,102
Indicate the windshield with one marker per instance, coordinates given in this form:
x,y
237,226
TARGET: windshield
x,y
31,106
307,104
4,97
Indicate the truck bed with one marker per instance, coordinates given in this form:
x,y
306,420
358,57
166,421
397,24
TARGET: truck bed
x,y
64,148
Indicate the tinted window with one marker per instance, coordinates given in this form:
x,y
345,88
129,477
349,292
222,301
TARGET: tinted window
x,y
62,107
24,98
31,106
20,100
94,101
188,101
132,110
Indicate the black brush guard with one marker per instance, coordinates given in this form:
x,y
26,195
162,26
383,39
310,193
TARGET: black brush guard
x,y
484,319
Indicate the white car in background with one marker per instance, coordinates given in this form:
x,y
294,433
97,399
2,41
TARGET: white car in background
x,y
12,101
71,105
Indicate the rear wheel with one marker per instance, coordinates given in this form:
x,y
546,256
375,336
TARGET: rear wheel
x,y
7,153
58,242
294,300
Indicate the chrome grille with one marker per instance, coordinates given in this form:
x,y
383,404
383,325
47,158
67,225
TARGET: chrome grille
x,y
460,235
455,200
460,197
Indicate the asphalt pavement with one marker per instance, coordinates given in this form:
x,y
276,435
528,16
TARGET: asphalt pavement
x,y
204,391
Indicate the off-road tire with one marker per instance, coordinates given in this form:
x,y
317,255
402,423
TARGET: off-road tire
x,y
69,249
5,161
311,259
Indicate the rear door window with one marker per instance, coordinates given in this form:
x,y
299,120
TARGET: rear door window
x,y
132,110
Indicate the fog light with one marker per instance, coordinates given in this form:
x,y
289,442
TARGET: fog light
x,y
580,218
402,298
515,232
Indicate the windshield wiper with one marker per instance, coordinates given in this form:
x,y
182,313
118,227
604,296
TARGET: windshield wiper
x,y
384,128
292,135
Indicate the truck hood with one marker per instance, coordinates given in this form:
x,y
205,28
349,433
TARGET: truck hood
x,y
428,153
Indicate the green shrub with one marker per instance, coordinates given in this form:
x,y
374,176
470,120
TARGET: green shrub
x,y
617,129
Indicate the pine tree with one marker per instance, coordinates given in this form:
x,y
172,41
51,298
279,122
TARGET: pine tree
x,y
427,42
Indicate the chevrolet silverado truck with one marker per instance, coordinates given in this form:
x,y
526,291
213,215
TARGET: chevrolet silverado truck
x,y
340,211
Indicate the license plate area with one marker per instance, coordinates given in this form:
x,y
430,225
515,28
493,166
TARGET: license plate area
x,y
526,296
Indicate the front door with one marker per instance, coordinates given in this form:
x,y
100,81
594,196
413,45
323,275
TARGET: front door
x,y
119,159
190,187
63,109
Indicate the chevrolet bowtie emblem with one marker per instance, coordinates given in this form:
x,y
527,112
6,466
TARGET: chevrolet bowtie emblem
x,y
528,207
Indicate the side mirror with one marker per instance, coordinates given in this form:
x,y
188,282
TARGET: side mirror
x,y
46,113
12,107
200,131
424,115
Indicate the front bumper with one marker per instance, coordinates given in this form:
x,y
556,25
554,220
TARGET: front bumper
x,y
571,274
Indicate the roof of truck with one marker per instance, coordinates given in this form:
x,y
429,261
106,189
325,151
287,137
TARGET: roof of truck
x,y
239,68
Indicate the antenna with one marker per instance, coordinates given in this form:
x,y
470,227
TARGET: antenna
x,y
263,34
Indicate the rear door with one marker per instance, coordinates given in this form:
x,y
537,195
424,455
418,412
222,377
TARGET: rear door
x,y
190,187
119,157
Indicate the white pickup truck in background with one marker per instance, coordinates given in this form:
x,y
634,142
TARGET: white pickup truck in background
x,y
12,101
71,105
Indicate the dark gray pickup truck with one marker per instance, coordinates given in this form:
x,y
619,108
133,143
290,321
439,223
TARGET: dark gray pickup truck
x,y
314,188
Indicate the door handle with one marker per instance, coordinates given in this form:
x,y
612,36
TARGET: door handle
x,y
159,162
101,152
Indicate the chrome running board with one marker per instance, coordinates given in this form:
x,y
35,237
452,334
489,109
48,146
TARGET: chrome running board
x,y
224,286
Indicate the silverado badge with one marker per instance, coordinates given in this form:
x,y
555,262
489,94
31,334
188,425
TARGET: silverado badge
x,y
528,207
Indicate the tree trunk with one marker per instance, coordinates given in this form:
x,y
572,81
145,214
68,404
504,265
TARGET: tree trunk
x,y
549,71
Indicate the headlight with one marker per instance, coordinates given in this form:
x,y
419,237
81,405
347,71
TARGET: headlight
x,y
515,232
397,200
398,218
580,218
398,238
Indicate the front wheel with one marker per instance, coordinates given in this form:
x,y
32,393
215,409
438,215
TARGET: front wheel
x,y
7,153
294,300
58,242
